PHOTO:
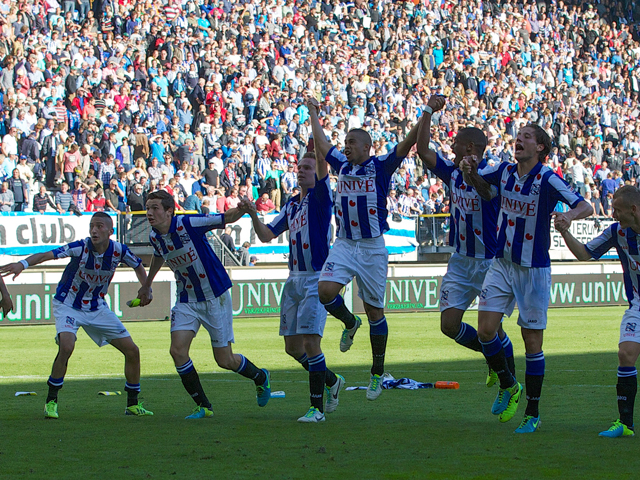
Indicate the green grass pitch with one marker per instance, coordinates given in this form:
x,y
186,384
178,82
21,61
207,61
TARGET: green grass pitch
x,y
435,434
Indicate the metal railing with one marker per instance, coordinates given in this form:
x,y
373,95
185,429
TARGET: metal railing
x,y
432,233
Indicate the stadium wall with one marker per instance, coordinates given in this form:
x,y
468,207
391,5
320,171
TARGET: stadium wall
x,y
257,291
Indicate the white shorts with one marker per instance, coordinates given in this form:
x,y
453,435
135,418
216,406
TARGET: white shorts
x,y
365,259
301,312
630,327
530,287
215,315
102,325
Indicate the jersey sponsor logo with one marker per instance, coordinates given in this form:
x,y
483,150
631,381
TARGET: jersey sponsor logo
x,y
630,327
94,278
519,207
182,258
297,223
464,203
356,186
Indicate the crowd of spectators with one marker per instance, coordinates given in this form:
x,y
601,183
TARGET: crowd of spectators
x,y
104,101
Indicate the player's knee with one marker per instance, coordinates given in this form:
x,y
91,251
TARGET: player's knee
x,y
294,351
325,293
312,345
132,354
373,313
626,358
449,329
226,362
179,355
66,349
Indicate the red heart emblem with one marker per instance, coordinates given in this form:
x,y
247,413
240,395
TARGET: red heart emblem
x,y
517,189
170,248
116,254
352,203
97,266
621,233
202,275
462,237
463,187
90,290
85,302
497,229
511,223
477,232
538,176
293,242
354,223
295,262
528,236
508,244
339,213
372,211
180,228
305,245
86,250
189,286
74,288
102,295
185,274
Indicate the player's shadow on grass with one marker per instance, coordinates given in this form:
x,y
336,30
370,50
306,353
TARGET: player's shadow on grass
x,y
585,378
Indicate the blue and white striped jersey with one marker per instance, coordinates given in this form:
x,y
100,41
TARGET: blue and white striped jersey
x,y
625,241
308,222
473,220
199,274
86,278
361,194
524,221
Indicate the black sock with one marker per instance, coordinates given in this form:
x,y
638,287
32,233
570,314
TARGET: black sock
x,y
192,385
316,388
533,385
511,363
132,389
55,384
330,379
378,349
304,361
626,389
494,354
338,309
250,371
468,337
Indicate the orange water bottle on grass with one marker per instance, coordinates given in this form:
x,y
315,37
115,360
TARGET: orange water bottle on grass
x,y
447,385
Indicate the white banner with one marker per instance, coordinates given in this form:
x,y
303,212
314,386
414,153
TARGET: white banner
x,y
28,233
582,230
400,240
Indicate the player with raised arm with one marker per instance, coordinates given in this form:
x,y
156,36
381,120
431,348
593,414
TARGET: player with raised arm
x,y
359,250
624,236
529,192
202,298
307,216
79,302
472,233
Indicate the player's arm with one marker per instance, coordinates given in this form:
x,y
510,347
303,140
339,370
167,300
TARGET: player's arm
x,y
563,219
6,304
233,215
322,167
264,233
577,248
428,156
404,147
141,273
144,293
469,167
16,268
320,142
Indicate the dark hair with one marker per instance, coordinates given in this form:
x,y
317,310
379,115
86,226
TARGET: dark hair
x,y
166,200
542,138
104,216
629,194
363,135
475,136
